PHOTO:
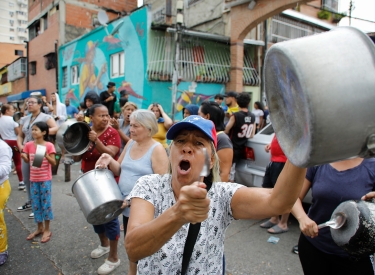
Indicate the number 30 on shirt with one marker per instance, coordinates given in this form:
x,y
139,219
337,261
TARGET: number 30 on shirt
x,y
247,129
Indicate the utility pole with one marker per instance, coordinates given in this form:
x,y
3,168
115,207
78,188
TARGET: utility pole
x,y
350,12
179,22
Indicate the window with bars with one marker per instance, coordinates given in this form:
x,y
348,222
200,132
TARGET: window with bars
x,y
74,75
283,29
200,60
65,77
117,64
332,5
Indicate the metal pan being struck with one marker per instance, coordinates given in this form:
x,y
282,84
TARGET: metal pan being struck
x,y
39,155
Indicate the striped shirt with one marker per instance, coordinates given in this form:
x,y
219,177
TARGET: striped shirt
x,y
42,173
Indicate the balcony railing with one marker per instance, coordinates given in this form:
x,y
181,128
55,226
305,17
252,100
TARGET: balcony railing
x,y
199,60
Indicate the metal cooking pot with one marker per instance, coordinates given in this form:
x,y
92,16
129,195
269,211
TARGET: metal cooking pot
x,y
357,235
98,195
17,116
39,155
312,86
73,137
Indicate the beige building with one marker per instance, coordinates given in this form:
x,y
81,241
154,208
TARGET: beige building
x,y
13,21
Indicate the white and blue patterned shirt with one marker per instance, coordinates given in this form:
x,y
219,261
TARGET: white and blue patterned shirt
x,y
207,256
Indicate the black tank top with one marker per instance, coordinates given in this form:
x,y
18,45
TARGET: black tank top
x,y
242,129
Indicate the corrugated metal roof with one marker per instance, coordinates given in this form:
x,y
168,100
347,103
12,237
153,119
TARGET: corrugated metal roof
x,y
308,19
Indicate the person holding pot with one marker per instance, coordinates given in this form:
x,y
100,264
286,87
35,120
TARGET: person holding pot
x,y
164,207
331,184
8,131
105,140
35,106
164,123
142,156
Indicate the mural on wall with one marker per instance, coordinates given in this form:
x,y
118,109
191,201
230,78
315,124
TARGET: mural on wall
x,y
88,66
92,52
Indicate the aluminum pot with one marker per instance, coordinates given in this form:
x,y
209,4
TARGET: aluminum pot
x,y
321,97
98,195
39,155
72,136
357,235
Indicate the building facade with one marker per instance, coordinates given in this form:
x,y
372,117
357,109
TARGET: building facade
x,y
134,56
13,21
53,23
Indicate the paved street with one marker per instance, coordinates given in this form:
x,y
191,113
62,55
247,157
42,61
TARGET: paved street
x,y
246,248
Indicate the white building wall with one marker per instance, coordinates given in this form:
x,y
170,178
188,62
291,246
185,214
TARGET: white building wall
x,y
13,21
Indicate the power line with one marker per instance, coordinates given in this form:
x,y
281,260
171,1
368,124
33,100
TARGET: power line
x,y
320,8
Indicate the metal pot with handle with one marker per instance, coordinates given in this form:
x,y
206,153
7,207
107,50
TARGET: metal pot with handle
x,y
73,137
98,195
357,234
313,85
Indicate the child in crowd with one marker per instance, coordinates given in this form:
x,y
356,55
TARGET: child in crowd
x,y
40,180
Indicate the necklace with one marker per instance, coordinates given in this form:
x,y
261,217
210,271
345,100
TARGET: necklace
x,y
32,120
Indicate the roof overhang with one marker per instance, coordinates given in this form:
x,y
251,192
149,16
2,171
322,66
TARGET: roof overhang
x,y
307,19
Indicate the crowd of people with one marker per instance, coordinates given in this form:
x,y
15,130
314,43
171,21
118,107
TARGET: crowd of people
x,y
158,162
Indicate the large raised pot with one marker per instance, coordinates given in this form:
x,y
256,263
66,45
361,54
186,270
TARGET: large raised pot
x,y
72,136
321,96
357,235
98,196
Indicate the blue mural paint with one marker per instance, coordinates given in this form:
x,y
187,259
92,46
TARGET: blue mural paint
x,y
130,35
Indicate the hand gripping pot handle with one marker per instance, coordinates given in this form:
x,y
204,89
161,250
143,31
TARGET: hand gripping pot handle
x,y
98,196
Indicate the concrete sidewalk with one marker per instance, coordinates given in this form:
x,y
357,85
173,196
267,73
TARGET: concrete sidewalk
x,y
68,252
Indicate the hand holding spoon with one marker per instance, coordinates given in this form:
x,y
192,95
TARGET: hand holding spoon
x,y
336,221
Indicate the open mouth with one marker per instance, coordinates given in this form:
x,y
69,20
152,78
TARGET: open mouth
x,y
185,165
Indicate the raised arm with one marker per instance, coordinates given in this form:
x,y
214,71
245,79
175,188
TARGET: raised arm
x,y
146,235
167,120
52,126
259,203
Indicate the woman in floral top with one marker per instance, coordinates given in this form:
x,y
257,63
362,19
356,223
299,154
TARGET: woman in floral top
x,y
164,206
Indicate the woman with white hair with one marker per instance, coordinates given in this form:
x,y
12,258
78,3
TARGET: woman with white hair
x,y
141,156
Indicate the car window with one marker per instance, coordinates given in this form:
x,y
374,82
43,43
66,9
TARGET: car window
x,y
268,130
